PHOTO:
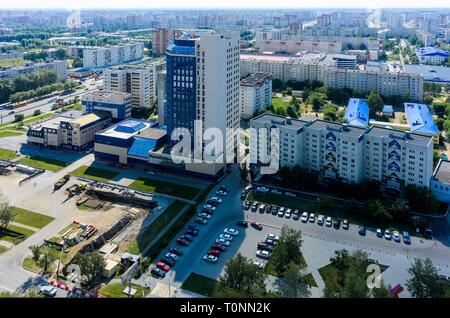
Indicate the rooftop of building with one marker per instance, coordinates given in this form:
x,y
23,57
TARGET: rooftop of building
x,y
109,95
255,79
281,120
432,51
89,118
420,119
430,73
75,117
397,134
341,128
127,128
442,172
357,112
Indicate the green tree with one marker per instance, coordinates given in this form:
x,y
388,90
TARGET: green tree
x,y
60,54
18,118
37,112
424,281
36,252
382,292
287,249
91,265
332,288
46,259
7,214
294,285
375,103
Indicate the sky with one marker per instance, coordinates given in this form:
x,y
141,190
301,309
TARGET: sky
x,y
42,4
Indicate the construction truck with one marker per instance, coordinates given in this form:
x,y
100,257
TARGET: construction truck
x,y
62,181
76,189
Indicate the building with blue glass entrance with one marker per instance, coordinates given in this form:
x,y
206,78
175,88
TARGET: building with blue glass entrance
x,y
117,104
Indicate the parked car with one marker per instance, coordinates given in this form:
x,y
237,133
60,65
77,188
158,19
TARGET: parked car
x,y
223,241
281,212
183,242
221,192
262,208
406,238
396,236
290,194
208,211
209,206
276,191
214,252
387,234
192,227
320,219
288,214
304,217
231,231
213,204
264,247
48,290
216,199
204,215
273,237
263,254
188,237
312,218
243,194
246,205
227,237
172,256
328,221
268,209
270,242
158,272
176,251
219,247
379,233
274,210
345,224
258,264
201,220
362,230
337,224
210,258
295,216
224,189
242,223
257,226
262,189
191,232
254,206
168,261
248,188
163,266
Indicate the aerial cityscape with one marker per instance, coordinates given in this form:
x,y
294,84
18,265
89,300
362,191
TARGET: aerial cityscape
x,y
239,153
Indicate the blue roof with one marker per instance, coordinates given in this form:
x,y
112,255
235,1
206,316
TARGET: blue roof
x,y
420,119
388,109
130,126
431,51
357,112
141,147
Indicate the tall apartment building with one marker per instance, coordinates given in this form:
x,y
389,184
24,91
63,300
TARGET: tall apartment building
x,y
139,81
161,95
203,80
162,38
99,57
256,93
347,153
60,67
117,104
382,81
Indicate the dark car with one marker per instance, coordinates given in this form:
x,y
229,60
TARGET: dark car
x,y
242,223
254,207
336,224
268,208
183,241
176,251
224,189
168,261
246,205
200,220
270,242
265,246
296,215
207,211
243,194
362,230
257,226
191,232
192,227
219,247
212,202
345,224
213,251
274,210
187,237
159,273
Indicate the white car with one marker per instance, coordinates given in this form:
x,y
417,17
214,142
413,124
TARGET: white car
x,y
172,256
312,218
262,189
247,188
273,237
328,221
258,264
263,254
379,233
396,236
227,237
304,217
223,241
216,199
320,219
288,214
204,215
221,192
387,235
48,291
210,258
231,231
276,191
209,206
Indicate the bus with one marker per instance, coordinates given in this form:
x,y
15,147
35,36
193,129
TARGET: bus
x,y
17,105
5,105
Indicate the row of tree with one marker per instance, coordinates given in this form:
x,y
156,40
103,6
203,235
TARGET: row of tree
x,y
43,90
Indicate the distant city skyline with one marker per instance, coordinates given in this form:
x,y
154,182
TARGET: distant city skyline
x,y
173,4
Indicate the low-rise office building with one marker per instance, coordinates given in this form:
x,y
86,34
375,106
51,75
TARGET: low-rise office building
x,y
431,55
74,133
117,104
440,182
256,93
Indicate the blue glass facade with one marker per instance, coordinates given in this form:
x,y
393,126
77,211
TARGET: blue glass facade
x,y
181,86
123,110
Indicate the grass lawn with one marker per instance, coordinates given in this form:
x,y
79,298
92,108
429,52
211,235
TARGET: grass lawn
x,y
153,185
2,249
32,119
115,290
6,154
9,134
30,265
279,103
152,230
201,285
83,207
94,173
6,236
33,219
44,163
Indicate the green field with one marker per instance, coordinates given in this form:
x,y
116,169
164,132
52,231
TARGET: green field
x,y
44,163
30,265
33,219
153,185
115,290
94,173
13,239
201,285
6,133
32,119
279,103
2,249
13,62
6,154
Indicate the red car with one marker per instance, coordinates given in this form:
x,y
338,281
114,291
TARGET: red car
x,y
218,247
183,241
163,266
257,226
214,252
